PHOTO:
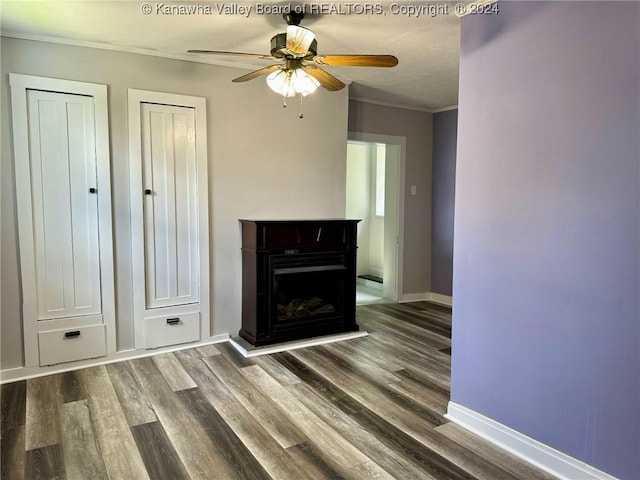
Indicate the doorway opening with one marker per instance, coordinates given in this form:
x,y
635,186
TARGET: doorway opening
x,y
374,193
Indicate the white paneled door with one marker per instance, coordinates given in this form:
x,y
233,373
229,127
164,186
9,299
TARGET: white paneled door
x,y
170,205
169,217
64,204
63,193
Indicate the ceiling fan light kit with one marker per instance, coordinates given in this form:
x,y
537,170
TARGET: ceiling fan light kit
x,y
300,74
289,83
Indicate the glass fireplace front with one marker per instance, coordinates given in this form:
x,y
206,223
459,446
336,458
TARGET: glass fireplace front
x,y
306,290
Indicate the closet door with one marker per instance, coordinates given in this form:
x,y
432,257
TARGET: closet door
x,y
63,192
169,218
170,205
64,204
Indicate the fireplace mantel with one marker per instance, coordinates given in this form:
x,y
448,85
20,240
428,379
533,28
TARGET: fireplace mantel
x,y
298,279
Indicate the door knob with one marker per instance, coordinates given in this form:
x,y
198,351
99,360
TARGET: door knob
x,y
93,190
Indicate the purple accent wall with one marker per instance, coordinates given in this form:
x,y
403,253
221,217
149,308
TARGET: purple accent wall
x,y
445,134
546,324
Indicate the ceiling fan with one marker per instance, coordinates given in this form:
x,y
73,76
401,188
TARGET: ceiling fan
x,y
300,73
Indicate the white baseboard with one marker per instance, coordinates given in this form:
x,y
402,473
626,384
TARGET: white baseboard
x,y
542,456
248,351
25,373
426,297
414,297
441,299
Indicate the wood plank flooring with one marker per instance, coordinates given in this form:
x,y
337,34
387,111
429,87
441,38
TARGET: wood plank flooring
x,y
369,408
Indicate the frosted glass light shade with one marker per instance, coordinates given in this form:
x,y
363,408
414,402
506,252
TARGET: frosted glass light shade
x,y
289,83
280,82
303,83
299,39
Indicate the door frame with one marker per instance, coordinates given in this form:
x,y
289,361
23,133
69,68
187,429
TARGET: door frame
x,y
401,143
199,104
19,85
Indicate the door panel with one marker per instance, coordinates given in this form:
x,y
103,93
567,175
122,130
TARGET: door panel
x,y
170,208
65,215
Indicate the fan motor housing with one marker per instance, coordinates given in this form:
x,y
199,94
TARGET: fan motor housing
x,y
279,46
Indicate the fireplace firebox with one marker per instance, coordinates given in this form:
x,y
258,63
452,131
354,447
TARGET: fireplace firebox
x,y
298,279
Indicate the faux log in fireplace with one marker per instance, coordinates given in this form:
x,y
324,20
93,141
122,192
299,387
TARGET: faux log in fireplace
x,y
298,279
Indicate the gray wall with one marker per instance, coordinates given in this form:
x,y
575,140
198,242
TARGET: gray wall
x,y
262,163
546,325
445,135
417,127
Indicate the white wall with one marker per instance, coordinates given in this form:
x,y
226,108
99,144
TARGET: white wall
x,y
361,194
376,227
264,162
358,198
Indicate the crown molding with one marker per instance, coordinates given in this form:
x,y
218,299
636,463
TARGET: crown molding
x,y
445,109
392,105
187,57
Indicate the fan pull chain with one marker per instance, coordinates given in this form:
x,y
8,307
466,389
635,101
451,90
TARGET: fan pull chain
x,y
284,105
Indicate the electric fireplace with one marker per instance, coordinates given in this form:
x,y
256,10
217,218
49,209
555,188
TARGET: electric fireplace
x,y
298,279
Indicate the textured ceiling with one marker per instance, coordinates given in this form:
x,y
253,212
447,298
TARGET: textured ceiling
x,y
426,45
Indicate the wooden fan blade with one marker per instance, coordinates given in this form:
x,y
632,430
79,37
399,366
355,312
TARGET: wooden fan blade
x,y
327,80
238,54
356,60
257,73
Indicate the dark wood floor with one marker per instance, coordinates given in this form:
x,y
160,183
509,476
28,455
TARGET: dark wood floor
x,y
361,409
